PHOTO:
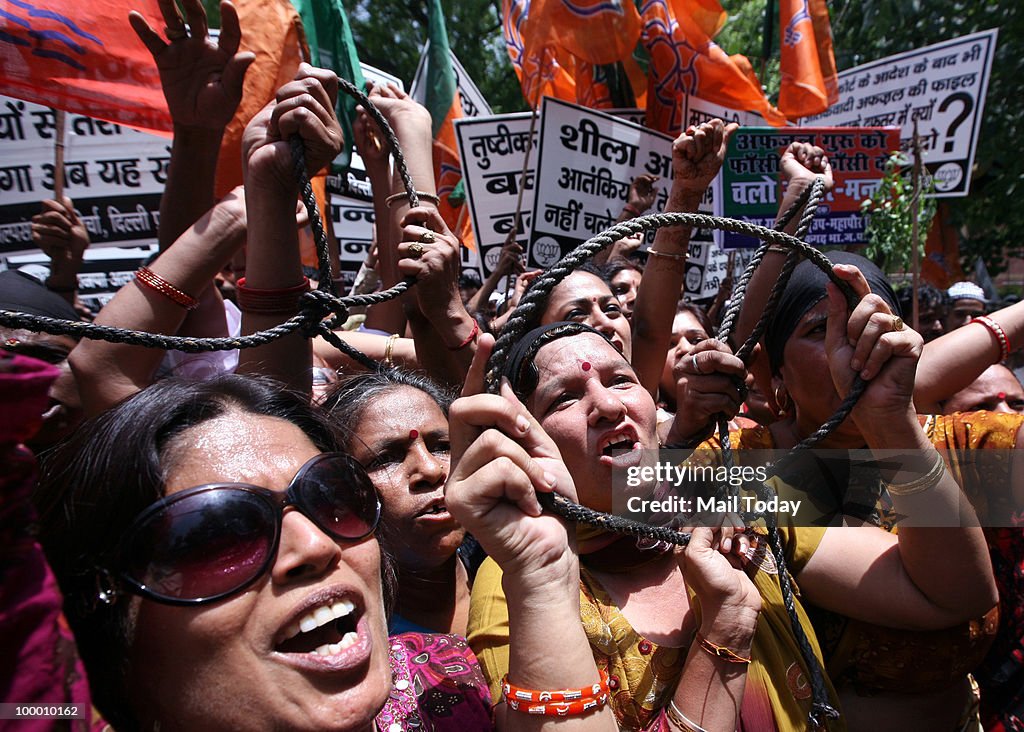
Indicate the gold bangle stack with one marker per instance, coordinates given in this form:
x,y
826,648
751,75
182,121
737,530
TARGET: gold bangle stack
x,y
923,483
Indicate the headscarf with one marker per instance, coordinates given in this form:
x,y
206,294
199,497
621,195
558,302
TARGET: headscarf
x,y
806,288
519,368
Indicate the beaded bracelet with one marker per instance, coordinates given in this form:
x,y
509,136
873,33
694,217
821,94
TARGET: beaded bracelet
x,y
146,277
721,652
922,483
422,195
997,331
279,301
680,721
469,339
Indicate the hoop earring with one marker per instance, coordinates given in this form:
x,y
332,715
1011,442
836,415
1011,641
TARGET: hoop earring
x,y
782,400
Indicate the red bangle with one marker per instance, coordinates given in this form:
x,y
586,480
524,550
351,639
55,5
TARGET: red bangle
x,y
560,709
997,331
145,276
469,339
279,301
560,703
515,693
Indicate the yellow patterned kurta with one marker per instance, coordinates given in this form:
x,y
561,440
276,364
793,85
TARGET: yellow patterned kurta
x,y
644,676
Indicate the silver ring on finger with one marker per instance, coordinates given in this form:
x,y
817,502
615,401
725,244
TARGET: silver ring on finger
x,y
694,364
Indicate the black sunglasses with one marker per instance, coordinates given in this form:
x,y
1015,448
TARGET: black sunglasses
x,y
206,543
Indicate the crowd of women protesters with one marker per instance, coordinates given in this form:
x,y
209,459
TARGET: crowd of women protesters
x,y
283,538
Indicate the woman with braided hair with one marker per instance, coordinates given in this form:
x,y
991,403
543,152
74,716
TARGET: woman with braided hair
x,y
671,631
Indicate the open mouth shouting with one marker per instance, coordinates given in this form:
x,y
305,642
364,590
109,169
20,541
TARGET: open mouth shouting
x,y
620,448
329,633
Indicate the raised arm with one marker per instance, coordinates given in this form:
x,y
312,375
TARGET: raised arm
x,y
954,360
697,156
202,83
61,235
925,577
501,458
798,167
387,316
443,330
411,124
109,372
509,261
274,281
641,197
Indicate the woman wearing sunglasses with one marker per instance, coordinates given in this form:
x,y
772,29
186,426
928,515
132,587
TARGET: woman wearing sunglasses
x,y
221,570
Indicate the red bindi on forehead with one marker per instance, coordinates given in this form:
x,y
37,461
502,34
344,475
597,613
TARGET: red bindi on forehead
x,y
585,365
413,434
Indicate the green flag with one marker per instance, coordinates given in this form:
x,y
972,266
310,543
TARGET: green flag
x,y
441,89
331,47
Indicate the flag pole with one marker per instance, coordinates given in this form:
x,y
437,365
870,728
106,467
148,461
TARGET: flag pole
x,y
58,156
915,207
766,40
510,281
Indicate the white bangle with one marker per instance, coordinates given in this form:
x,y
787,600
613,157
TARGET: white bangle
x,y
680,721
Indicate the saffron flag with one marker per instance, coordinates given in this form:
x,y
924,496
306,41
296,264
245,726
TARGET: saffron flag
x,y
555,45
440,97
331,46
546,69
83,57
272,30
808,66
596,31
685,60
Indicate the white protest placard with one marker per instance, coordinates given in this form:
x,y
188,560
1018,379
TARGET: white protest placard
x,y
114,174
586,163
492,150
352,222
941,87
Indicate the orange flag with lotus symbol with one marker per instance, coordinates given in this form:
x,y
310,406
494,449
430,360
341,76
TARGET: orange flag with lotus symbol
x,y
809,82
685,60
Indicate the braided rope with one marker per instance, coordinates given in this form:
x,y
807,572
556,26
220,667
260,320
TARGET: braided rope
x,y
535,301
316,305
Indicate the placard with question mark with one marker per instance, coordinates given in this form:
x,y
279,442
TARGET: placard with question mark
x,y
940,87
